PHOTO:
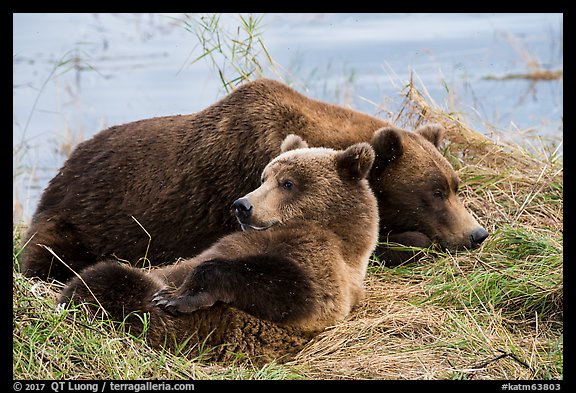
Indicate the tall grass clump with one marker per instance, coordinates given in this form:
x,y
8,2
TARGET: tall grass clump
x,y
236,56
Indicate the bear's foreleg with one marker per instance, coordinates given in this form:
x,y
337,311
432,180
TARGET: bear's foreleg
x,y
267,287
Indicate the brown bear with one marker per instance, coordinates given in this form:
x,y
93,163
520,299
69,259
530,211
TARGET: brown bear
x,y
297,267
155,189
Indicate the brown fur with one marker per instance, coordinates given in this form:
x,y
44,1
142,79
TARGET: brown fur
x,y
431,196
265,292
176,174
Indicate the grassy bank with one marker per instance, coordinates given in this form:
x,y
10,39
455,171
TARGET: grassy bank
x,y
494,313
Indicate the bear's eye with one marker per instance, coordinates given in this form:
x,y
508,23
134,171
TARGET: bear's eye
x,y
438,194
287,184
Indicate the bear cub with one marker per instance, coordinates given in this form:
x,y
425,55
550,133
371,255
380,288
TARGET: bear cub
x,y
297,266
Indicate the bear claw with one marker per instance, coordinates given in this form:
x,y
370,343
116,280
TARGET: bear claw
x,y
163,299
185,304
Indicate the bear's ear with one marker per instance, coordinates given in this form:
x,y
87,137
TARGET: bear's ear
x,y
292,142
355,162
388,146
432,132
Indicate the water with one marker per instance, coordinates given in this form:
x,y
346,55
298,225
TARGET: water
x,y
124,67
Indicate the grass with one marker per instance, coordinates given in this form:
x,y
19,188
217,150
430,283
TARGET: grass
x,y
234,56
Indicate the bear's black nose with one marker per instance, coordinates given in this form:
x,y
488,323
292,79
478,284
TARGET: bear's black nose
x,y
477,236
242,208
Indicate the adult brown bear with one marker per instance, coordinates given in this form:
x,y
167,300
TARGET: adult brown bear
x,y
267,291
175,175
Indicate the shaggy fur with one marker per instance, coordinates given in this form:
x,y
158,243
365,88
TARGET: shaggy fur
x,y
417,196
264,292
176,174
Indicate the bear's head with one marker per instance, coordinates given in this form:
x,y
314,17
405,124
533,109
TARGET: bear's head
x,y
318,184
417,191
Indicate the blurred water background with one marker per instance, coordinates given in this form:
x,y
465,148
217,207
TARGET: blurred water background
x,y
75,74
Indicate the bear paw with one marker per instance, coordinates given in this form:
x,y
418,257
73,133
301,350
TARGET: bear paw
x,y
173,303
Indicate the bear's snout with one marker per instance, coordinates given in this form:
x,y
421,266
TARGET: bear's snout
x,y
477,236
242,209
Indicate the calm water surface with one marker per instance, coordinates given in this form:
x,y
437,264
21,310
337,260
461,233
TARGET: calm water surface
x,y
75,74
